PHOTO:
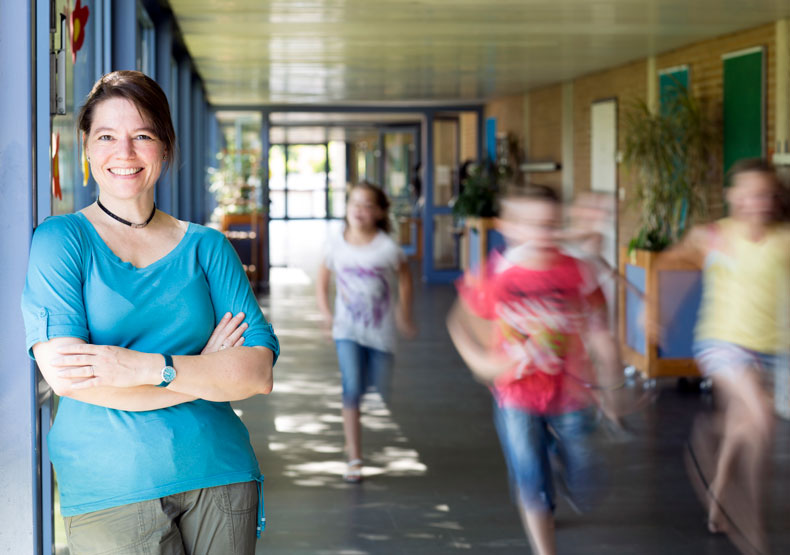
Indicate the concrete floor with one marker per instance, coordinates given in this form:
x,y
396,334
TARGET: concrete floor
x,y
435,478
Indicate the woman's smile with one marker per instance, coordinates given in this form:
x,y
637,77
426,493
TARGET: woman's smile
x,y
125,171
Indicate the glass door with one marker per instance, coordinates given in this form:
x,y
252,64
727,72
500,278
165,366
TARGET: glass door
x,y
446,238
307,196
305,181
402,186
448,138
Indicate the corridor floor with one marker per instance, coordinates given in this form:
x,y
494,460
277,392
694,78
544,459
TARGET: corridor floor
x,y
435,478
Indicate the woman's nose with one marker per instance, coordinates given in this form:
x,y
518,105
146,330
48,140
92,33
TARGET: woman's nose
x,y
126,148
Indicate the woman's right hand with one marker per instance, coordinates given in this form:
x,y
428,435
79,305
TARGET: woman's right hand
x,y
228,333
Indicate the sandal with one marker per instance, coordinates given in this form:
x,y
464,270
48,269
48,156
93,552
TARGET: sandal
x,y
716,528
353,473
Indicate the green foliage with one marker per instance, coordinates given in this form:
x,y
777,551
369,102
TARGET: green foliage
x,y
673,153
649,240
235,182
479,192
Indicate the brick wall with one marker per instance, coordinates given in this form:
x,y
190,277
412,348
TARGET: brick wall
x,y
706,81
545,133
626,83
509,114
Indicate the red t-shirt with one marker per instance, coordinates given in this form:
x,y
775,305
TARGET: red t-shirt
x,y
541,318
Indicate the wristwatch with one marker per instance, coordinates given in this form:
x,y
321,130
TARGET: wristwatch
x,y
168,372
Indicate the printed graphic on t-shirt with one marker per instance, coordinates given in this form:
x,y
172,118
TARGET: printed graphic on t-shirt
x,y
538,327
365,294
540,317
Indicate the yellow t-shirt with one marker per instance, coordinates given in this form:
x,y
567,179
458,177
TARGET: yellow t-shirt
x,y
745,287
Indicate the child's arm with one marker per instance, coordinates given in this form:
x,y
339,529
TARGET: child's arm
x,y
690,250
322,294
471,336
404,318
609,374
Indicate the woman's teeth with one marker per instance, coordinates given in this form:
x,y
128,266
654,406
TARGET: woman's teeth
x,y
125,171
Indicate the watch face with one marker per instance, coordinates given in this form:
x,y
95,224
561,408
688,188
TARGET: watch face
x,y
168,374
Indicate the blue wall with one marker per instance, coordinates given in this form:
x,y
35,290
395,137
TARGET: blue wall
x,y
26,182
19,486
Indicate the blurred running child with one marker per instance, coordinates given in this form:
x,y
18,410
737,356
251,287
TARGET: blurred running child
x,y
522,326
367,264
741,328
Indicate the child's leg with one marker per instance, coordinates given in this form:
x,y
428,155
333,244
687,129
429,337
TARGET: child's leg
x,y
379,371
733,498
540,526
580,466
746,439
524,439
350,359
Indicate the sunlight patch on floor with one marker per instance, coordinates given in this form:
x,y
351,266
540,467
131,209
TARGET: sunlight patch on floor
x,y
288,276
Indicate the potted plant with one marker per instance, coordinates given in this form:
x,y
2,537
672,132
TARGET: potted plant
x,y
673,154
475,206
235,185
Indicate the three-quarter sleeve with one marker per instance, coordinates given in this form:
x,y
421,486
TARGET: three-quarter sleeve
x,y
52,301
231,292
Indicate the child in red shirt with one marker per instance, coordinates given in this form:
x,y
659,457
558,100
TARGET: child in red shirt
x,y
522,327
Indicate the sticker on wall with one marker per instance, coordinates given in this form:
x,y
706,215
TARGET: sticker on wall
x,y
78,19
56,192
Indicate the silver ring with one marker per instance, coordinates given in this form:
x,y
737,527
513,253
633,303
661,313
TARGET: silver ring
x,y
223,346
93,372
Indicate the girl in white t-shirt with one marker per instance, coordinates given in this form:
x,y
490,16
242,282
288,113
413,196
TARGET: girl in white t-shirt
x,y
367,265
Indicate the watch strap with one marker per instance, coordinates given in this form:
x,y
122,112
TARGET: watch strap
x,y
168,362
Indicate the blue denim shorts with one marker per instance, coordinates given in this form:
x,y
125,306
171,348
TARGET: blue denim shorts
x,y
717,357
537,447
362,368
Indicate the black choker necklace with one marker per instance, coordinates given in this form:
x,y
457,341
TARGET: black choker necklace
x,y
130,224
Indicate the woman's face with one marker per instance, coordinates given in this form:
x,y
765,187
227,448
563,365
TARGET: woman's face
x,y
126,157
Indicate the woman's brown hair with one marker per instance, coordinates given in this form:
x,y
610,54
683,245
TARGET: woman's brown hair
x,y
144,93
382,201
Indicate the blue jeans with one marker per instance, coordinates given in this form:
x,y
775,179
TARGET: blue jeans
x,y
530,442
360,369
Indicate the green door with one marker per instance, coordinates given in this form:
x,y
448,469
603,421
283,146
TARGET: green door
x,y
743,111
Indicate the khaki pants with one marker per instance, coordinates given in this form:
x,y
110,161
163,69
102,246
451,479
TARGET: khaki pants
x,y
210,521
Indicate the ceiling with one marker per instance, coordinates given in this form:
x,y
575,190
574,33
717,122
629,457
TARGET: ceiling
x,y
254,52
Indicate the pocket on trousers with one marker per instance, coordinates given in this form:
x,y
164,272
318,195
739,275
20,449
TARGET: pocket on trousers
x,y
110,530
234,499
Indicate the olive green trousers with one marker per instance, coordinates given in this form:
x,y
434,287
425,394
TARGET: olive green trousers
x,y
211,521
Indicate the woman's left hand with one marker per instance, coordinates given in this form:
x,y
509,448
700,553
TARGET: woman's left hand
x,y
89,365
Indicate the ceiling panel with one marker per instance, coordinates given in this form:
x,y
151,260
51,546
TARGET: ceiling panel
x,y
252,52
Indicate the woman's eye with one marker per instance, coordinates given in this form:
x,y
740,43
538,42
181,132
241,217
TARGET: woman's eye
x,y
104,138
143,138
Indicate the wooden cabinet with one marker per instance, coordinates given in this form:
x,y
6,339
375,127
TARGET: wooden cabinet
x,y
248,233
666,293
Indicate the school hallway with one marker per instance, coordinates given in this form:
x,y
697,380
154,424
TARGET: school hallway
x,y
436,481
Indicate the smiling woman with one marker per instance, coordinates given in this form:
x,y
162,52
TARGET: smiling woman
x,y
129,314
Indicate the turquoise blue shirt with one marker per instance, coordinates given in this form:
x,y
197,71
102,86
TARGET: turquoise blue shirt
x,y
77,287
